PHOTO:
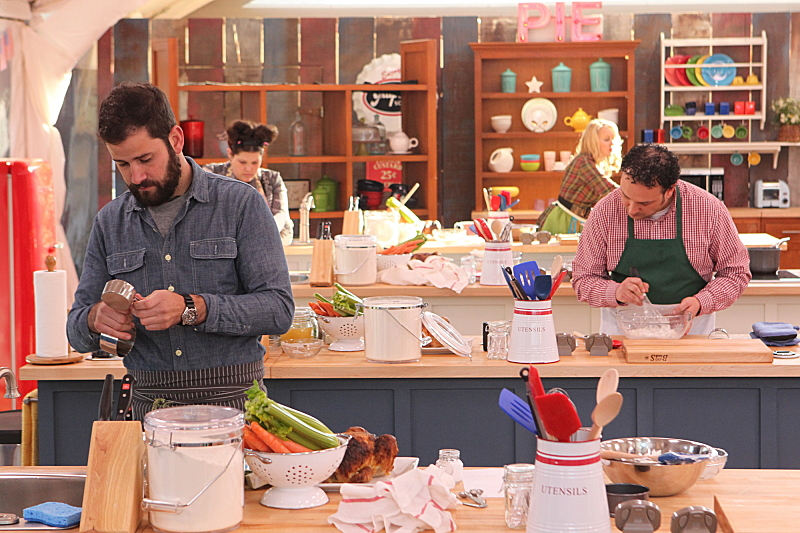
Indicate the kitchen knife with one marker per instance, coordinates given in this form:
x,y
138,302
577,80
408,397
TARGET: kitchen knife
x,y
124,400
104,411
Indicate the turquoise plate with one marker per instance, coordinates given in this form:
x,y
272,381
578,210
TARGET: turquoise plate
x,y
717,76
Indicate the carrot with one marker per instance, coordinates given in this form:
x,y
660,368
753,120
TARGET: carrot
x,y
253,442
271,440
295,447
329,309
317,308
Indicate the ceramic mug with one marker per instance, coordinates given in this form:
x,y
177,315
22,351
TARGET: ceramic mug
x,y
647,136
676,132
566,156
716,131
754,158
549,160
737,158
738,108
710,108
702,132
749,108
737,80
741,132
724,108
687,132
401,143
752,79
728,131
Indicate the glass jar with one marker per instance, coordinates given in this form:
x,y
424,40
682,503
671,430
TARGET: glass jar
x,y
378,148
298,137
304,325
517,486
498,340
450,461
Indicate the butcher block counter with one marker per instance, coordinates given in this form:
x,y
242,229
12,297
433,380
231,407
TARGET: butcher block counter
x,y
446,401
738,493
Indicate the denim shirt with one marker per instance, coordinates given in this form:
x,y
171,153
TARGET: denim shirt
x,y
223,245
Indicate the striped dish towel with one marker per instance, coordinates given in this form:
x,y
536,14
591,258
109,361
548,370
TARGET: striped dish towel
x,y
411,502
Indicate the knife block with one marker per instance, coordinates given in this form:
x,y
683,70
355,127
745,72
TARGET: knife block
x,y
112,497
351,223
321,274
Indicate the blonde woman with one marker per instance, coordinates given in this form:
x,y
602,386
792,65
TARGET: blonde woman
x,y
587,178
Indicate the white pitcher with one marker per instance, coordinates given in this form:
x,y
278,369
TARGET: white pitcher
x,y
501,160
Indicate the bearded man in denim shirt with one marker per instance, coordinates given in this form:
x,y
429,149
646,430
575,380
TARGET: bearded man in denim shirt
x,y
203,253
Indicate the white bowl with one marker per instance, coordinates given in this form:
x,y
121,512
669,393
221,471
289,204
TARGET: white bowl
x,y
294,476
501,123
389,261
348,332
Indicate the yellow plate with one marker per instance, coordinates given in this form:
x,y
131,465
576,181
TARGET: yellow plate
x,y
513,191
699,71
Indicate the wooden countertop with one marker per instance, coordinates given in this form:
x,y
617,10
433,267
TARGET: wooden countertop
x,y
777,486
353,365
554,247
753,212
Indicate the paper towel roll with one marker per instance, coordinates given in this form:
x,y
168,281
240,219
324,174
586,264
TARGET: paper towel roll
x,y
50,293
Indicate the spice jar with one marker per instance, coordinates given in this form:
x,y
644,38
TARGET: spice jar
x,y
304,325
517,486
450,461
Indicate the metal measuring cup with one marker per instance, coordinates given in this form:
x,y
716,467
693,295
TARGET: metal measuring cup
x,y
119,295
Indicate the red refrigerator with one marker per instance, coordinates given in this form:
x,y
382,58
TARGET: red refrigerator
x,y
27,231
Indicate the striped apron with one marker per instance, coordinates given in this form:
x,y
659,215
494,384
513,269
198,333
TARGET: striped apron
x,y
225,386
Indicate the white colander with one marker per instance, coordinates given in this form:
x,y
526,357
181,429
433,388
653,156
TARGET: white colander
x,y
389,261
348,332
294,476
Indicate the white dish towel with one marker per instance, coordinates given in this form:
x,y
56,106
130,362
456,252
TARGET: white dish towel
x,y
436,270
411,502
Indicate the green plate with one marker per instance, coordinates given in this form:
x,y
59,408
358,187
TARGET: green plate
x,y
690,72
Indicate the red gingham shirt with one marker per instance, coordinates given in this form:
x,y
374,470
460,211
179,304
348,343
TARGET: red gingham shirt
x,y
709,235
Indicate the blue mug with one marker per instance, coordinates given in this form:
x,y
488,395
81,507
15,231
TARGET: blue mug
x,y
676,132
724,108
647,136
710,108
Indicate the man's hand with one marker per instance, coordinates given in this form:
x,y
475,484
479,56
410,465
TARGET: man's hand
x,y
632,291
161,310
689,304
104,319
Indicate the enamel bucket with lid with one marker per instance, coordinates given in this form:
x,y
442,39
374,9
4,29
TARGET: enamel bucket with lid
x,y
356,259
393,329
194,473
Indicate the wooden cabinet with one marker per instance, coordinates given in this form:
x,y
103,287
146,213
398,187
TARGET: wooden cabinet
x,y
779,223
537,59
336,156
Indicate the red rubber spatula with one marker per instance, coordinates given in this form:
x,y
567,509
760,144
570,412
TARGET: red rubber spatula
x,y
558,415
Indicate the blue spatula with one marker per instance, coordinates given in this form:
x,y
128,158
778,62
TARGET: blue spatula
x,y
517,409
526,274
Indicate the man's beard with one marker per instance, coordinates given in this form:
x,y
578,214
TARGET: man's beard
x,y
162,192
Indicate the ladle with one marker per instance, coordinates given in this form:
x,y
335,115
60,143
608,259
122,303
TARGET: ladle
x,y
780,241
604,413
607,384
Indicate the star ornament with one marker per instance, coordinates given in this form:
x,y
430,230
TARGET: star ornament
x,y
534,86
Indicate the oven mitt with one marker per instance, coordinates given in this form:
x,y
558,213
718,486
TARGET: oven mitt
x,y
775,333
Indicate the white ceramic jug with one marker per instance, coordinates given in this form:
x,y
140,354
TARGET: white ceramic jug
x,y
501,160
401,143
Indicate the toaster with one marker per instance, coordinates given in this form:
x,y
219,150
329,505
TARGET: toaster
x,y
771,194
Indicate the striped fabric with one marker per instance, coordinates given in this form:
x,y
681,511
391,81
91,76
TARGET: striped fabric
x,y
710,237
223,386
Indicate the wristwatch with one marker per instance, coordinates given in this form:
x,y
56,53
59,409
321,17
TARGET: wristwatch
x,y
189,315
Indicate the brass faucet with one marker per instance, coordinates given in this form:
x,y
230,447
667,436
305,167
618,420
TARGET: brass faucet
x,y
11,382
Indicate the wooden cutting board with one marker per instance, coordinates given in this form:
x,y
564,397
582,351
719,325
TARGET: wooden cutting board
x,y
758,514
696,349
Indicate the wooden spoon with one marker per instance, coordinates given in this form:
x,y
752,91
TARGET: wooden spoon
x,y
604,413
556,267
607,384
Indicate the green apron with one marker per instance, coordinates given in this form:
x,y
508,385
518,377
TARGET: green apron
x,y
662,263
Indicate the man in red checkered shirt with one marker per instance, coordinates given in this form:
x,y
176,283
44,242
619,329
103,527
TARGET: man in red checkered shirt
x,y
680,238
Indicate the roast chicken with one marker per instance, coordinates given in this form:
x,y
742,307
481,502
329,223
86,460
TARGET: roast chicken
x,y
367,456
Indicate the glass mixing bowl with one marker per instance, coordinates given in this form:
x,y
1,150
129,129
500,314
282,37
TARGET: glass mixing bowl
x,y
635,324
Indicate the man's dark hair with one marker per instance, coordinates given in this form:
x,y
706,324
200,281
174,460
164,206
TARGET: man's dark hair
x,y
131,106
651,164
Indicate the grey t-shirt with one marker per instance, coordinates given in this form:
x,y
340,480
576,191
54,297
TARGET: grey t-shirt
x,y
164,214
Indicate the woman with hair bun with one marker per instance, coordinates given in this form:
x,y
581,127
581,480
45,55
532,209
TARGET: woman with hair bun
x,y
246,142
587,178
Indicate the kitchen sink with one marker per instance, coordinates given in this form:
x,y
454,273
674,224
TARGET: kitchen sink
x,y
9,455
298,278
24,487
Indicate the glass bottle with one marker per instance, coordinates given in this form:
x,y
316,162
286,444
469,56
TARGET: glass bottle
x,y
517,486
378,148
498,340
298,137
304,325
450,461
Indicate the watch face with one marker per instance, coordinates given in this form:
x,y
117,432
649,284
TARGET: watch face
x,y
189,316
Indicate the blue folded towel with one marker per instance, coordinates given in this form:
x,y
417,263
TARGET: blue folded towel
x,y
53,514
790,342
775,331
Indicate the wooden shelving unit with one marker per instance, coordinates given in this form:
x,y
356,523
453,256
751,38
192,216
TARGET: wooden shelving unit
x,y
337,158
537,59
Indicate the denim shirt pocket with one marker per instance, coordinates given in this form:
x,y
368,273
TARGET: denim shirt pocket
x,y
129,266
214,265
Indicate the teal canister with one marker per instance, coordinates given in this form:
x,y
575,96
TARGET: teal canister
x,y
600,76
562,78
508,81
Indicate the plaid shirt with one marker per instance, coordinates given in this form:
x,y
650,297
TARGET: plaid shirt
x,y
583,185
709,235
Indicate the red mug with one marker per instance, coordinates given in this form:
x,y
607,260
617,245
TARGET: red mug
x,y
192,137
702,132
660,136
749,108
738,108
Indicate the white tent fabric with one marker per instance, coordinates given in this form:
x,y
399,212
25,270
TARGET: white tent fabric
x,y
60,32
